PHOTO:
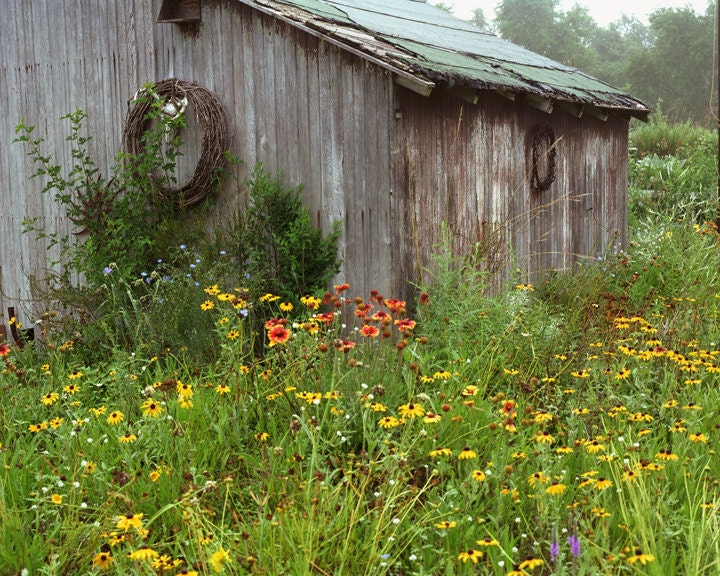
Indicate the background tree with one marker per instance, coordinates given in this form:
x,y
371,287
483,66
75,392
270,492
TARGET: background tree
x,y
478,19
677,67
669,61
529,23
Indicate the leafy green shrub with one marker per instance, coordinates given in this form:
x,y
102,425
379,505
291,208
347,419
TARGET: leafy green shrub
x,y
664,138
673,171
278,243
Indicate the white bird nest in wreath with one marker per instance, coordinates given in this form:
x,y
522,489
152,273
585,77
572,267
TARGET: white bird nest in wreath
x,y
176,95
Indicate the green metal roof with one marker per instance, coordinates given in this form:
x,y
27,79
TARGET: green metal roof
x,y
427,45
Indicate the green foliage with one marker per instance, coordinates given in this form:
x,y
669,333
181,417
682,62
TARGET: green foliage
x,y
279,244
677,68
673,171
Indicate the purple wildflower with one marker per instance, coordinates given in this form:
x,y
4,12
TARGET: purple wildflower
x,y
574,542
554,550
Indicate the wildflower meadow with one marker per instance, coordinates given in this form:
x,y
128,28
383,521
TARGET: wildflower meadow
x,y
567,427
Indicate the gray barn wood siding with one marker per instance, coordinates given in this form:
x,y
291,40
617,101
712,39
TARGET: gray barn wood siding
x,y
469,165
294,102
389,164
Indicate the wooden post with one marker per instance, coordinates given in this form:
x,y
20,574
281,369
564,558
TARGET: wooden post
x,y
13,329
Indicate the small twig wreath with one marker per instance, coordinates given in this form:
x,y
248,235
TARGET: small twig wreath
x,y
543,147
177,94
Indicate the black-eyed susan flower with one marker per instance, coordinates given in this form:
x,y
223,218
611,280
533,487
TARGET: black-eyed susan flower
x,y
603,483
487,542
130,521
542,417
432,418
165,562
102,560
478,475
75,374
127,438
97,412
678,426
185,403
556,488
697,437
151,408
630,476
593,446
71,389
376,406
222,389
537,478
445,524
640,557
388,422
411,410
622,374
312,302
440,451
471,555
55,423
286,306
544,437
115,417
600,512
531,563
207,305
467,454
691,406
219,559
666,455
144,553
50,398
184,390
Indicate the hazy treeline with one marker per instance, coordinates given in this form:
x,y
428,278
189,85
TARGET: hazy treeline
x,y
668,61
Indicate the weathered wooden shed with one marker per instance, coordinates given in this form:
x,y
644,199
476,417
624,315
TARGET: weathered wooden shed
x,y
394,115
